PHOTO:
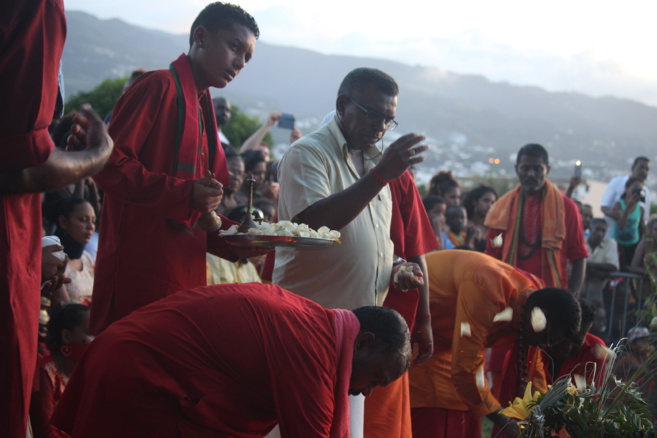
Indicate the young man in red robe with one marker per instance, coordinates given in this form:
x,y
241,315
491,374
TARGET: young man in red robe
x,y
232,360
151,244
32,35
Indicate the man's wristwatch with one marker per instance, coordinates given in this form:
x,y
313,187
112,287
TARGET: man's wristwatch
x,y
397,260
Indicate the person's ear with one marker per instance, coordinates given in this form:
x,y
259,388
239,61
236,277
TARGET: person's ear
x,y
365,341
66,336
340,105
547,172
200,35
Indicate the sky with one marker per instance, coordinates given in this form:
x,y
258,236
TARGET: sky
x,y
599,47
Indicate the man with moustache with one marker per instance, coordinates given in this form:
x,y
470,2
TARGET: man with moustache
x,y
337,177
540,229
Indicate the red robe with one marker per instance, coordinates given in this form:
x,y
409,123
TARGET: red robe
x,y
147,247
217,361
586,362
387,410
32,35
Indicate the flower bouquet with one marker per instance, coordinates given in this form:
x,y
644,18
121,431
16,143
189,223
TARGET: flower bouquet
x,y
614,409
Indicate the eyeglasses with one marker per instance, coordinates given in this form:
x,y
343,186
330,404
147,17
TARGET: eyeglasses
x,y
376,117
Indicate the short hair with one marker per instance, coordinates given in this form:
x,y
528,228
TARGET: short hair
x,y
389,328
63,317
598,220
219,15
534,150
453,208
641,158
251,158
560,307
474,195
363,76
430,201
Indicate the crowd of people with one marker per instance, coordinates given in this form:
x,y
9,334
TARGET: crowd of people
x,y
125,313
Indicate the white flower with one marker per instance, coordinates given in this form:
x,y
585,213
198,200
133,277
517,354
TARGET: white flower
x,y
539,322
497,241
465,329
403,270
504,315
479,378
580,382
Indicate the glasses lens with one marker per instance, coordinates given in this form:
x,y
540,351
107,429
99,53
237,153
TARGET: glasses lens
x,y
393,125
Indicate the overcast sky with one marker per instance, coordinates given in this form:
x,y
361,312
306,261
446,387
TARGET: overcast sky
x,y
598,47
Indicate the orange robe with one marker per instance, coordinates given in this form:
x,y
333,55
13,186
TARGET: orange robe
x,y
387,409
468,287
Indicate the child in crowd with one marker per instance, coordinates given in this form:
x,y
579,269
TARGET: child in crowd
x,y
477,202
67,338
457,223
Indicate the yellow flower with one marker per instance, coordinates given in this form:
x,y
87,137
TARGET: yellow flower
x,y
520,407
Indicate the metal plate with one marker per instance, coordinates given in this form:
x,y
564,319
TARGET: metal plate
x,y
293,241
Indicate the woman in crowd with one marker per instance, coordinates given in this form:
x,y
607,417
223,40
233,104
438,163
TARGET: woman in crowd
x,y
255,165
75,227
628,214
477,202
444,184
67,338
232,196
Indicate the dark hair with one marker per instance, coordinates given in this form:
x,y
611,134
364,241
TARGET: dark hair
x,y
535,150
67,205
63,317
631,180
219,15
588,312
363,76
251,159
560,307
231,153
237,214
453,208
598,220
637,159
442,182
430,201
474,195
388,326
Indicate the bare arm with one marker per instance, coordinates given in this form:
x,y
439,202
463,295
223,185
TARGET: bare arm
x,y
422,334
256,138
339,209
577,276
92,147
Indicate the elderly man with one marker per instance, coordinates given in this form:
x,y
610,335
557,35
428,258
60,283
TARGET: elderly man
x,y
537,228
232,360
616,188
478,302
337,177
